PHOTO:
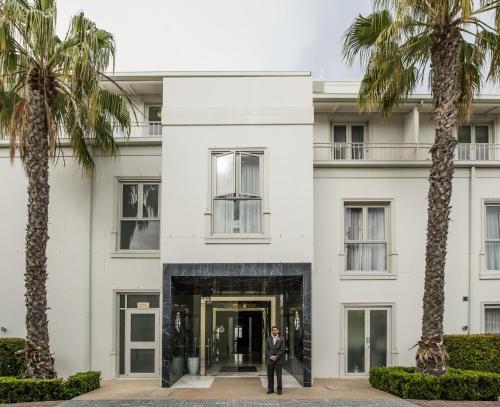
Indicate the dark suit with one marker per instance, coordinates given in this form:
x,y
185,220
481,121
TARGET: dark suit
x,y
278,350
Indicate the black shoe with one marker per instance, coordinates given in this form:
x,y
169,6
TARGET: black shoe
x,y
279,392
270,392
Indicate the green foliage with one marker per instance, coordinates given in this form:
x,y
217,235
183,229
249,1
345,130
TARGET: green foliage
x,y
81,383
10,363
15,390
456,384
474,352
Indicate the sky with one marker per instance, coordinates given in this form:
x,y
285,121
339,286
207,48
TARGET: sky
x,y
170,35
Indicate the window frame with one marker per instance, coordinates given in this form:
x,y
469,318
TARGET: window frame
x,y
118,193
485,305
264,235
485,272
474,151
348,151
391,253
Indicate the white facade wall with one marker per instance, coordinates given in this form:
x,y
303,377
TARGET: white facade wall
x,y
304,213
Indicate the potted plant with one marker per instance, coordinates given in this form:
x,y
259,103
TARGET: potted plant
x,y
193,361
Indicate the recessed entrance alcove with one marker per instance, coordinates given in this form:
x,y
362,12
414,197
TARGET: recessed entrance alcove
x,y
220,314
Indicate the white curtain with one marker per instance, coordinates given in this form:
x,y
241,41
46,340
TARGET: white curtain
x,y
339,140
493,232
354,257
250,175
374,256
223,216
376,224
492,320
224,175
250,216
353,225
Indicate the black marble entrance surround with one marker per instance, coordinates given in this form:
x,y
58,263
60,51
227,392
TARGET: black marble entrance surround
x,y
237,272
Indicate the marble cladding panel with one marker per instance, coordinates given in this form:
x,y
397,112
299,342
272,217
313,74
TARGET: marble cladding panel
x,y
234,271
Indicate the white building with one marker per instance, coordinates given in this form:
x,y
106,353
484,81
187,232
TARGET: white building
x,y
246,200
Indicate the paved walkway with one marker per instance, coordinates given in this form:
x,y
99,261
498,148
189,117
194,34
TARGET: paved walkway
x,y
236,403
236,388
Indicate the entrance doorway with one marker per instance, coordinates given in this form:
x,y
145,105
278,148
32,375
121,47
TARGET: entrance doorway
x,y
367,338
233,332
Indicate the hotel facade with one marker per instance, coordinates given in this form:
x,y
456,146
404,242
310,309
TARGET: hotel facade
x,y
243,200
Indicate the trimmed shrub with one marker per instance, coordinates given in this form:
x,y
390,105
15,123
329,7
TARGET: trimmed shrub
x,y
474,352
456,384
10,363
15,390
81,383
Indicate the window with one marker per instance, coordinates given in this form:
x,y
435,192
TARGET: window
x,y
492,318
139,216
473,142
154,120
237,192
365,237
492,237
348,141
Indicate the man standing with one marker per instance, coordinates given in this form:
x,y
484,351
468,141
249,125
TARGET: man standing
x,y
275,350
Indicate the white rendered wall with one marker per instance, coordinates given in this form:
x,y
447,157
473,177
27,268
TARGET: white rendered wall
x,y
274,113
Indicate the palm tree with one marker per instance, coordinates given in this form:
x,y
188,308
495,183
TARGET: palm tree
x,y
456,43
48,83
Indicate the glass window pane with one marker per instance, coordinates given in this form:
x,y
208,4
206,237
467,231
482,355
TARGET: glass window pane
x,y
374,257
152,299
353,257
378,338
493,256
122,342
250,174
140,235
356,341
481,133
492,320
353,226
357,134
154,113
150,201
130,200
142,361
339,134
223,216
142,328
464,134
493,222
250,220
376,224
122,300
224,175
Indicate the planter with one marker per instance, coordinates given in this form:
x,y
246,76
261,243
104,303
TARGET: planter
x,y
193,365
178,365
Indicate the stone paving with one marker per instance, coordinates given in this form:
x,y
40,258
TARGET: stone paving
x,y
236,403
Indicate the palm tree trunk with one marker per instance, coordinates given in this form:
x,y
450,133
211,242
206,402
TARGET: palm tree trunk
x,y
40,363
431,355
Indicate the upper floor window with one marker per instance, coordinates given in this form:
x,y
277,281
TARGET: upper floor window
x,y
154,120
492,238
139,215
474,142
492,318
365,237
237,192
348,141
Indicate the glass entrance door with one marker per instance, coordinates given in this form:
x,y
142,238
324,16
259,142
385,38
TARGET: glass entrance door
x,y
141,345
367,339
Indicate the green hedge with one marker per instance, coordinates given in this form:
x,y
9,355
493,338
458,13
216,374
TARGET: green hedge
x,y
474,352
10,363
14,390
456,384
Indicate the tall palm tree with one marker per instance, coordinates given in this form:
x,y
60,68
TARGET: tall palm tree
x,y
48,83
456,41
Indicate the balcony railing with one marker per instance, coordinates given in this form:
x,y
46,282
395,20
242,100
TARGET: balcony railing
x,y
137,130
324,152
